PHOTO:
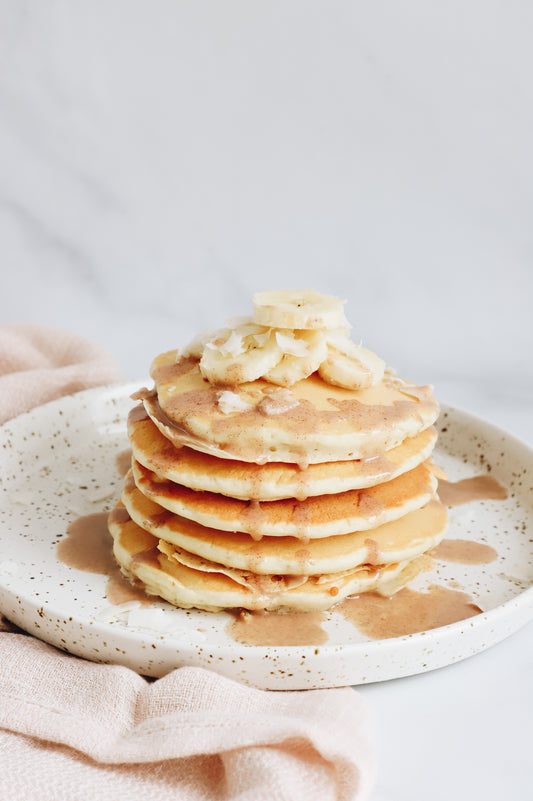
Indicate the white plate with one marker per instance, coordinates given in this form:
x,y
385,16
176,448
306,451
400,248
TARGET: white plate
x,y
59,462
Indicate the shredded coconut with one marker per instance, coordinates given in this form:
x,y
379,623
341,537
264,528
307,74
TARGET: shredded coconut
x,y
232,402
292,346
260,339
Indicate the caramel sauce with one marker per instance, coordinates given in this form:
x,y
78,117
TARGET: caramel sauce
x,y
407,611
303,556
376,616
148,556
173,371
138,413
278,628
373,552
302,517
254,518
367,503
477,488
302,419
88,546
123,462
119,590
379,467
464,552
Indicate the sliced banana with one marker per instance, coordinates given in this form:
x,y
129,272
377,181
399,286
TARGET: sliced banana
x,y
349,365
231,358
291,335
304,309
303,352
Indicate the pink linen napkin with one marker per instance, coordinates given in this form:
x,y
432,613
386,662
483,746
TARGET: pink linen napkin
x,y
72,729
41,363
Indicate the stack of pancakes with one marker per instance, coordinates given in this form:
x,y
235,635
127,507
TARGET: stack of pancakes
x,y
260,495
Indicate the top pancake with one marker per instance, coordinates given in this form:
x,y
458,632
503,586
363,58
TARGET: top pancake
x,y
327,424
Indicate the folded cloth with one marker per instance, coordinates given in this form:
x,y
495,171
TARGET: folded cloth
x,y
41,363
72,729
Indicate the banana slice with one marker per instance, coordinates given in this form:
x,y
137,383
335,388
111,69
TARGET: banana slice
x,y
235,356
305,309
349,365
304,351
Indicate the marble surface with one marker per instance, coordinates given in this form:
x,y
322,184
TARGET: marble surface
x,y
160,162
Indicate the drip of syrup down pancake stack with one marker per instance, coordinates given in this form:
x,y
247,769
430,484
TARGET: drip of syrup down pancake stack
x,y
276,465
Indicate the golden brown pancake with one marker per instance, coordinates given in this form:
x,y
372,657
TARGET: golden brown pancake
x,y
273,480
397,541
205,585
320,516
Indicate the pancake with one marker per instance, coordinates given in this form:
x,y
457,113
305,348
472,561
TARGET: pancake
x,y
208,586
400,540
328,423
320,516
274,480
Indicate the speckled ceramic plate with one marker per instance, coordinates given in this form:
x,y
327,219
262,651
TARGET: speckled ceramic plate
x,y
59,462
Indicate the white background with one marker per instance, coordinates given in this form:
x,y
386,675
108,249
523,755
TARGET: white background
x,y
161,161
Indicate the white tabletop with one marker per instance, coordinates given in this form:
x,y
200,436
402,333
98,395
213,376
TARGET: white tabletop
x,y
160,162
